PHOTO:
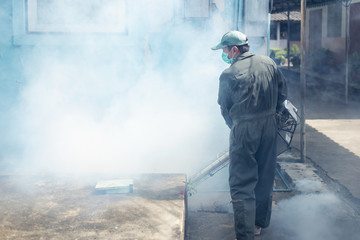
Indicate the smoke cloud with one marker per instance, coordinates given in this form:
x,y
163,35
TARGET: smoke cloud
x,y
102,106
310,216
314,214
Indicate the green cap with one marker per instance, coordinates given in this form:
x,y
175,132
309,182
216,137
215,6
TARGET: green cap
x,y
232,38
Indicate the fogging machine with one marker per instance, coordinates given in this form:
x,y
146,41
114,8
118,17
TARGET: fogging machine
x,y
288,119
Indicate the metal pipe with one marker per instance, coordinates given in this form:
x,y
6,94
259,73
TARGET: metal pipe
x,y
288,37
242,15
211,169
268,36
303,83
347,6
288,188
237,14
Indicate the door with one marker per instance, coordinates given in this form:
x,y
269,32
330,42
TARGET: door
x,y
354,31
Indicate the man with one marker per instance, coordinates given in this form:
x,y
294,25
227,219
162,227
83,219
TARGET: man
x,y
251,91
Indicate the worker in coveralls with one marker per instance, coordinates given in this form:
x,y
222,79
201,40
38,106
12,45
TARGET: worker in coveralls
x,y
251,92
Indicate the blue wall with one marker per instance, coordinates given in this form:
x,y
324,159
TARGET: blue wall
x,y
11,71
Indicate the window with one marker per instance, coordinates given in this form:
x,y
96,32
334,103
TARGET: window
x,y
295,31
273,30
76,16
283,30
196,8
334,20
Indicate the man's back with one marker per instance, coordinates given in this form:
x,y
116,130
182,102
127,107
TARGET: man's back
x,y
251,86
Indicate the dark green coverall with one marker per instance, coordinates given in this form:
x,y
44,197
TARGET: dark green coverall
x,y
251,90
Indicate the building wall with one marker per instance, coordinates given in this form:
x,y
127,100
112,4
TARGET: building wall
x,y
17,46
11,66
282,43
354,43
335,44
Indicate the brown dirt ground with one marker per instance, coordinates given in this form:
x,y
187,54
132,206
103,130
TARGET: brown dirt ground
x,y
50,208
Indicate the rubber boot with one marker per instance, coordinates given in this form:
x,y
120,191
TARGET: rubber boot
x,y
263,211
244,219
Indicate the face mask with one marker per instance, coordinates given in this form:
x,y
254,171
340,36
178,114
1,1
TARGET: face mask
x,y
225,58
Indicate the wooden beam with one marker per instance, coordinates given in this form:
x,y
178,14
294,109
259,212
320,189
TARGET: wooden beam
x,y
303,82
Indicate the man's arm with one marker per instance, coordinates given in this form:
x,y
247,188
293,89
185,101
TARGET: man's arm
x,y
282,89
224,100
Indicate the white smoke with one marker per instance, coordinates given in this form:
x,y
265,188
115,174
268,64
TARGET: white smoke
x,y
100,106
310,216
314,214
310,186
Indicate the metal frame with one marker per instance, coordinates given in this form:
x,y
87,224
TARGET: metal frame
x,y
288,121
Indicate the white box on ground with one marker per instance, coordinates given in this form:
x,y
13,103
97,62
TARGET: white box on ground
x,y
115,186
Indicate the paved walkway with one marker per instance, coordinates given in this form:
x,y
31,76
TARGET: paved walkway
x,y
334,145
333,152
332,132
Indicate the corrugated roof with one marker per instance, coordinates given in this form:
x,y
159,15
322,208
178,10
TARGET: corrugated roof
x,y
295,5
279,17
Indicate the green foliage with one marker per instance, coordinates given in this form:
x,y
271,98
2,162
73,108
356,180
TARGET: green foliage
x,y
273,52
277,55
295,60
280,54
294,55
293,51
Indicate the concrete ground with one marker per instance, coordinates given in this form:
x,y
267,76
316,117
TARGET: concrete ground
x,y
314,209
334,145
332,137
325,200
